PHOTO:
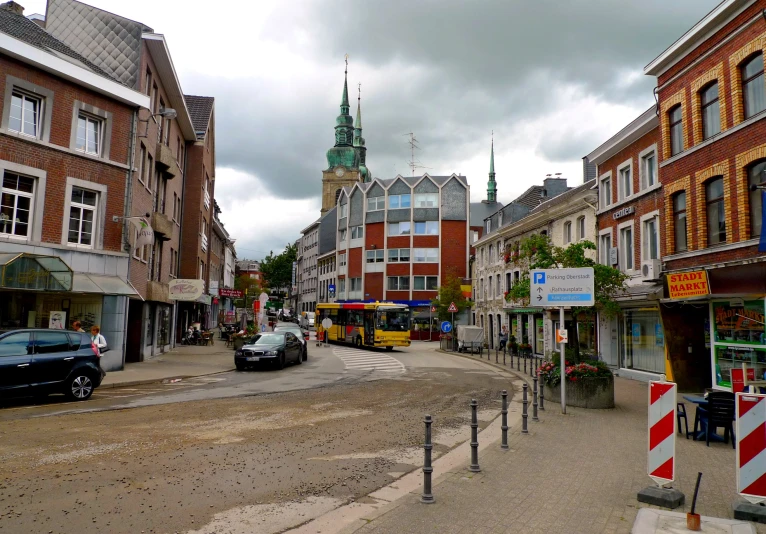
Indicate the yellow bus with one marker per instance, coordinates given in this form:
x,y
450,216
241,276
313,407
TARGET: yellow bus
x,y
374,324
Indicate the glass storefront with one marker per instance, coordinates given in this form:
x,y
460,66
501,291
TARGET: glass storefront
x,y
163,333
33,309
642,341
539,335
739,335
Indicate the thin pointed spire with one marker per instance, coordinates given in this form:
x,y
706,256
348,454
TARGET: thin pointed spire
x,y
344,102
358,123
491,184
492,155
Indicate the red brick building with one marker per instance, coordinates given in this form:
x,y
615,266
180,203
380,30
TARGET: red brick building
x,y
712,106
397,239
630,220
65,164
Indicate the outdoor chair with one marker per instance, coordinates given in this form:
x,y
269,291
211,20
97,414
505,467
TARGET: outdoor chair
x,y
681,414
719,413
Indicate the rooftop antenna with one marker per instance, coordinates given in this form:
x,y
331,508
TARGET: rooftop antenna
x,y
413,163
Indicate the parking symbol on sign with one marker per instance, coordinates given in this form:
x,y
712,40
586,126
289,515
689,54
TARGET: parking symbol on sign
x,y
539,278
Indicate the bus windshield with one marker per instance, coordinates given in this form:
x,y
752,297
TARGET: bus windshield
x,y
393,319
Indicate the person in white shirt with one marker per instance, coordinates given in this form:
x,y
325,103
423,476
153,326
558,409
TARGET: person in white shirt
x,y
97,338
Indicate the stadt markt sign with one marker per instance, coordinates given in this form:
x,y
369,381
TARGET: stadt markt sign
x,y
690,284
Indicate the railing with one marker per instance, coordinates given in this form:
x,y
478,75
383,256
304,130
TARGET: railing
x,y
204,243
207,200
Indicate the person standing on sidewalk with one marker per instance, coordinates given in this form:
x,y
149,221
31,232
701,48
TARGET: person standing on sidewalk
x,y
97,338
503,337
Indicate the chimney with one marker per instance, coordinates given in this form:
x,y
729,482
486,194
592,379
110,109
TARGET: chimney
x,y
14,7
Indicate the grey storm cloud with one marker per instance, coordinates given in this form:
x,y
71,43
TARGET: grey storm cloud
x,y
468,67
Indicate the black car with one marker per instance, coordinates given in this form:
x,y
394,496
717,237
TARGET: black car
x,y
42,361
300,333
273,347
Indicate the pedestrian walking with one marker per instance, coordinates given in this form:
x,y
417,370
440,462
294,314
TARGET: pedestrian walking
x,y
503,337
98,339
77,326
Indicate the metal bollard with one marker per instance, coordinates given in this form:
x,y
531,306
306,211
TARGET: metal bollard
x,y
504,421
503,355
496,355
534,400
542,394
525,364
427,496
474,467
524,415
518,361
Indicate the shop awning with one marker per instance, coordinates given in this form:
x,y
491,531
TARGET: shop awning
x,y
105,285
705,298
35,272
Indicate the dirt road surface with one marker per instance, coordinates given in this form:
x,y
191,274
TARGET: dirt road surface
x,y
252,464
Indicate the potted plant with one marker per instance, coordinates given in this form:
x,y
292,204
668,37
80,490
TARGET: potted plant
x,y
513,347
589,384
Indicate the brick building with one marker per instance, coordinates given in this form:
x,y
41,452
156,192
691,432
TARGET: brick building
x,y
65,160
630,208
712,106
397,239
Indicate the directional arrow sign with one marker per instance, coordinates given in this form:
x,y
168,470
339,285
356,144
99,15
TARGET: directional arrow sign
x,y
563,287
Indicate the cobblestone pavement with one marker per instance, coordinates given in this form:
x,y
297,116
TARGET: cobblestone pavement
x,y
578,472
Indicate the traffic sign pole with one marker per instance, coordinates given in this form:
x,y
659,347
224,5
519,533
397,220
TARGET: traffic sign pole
x,y
563,365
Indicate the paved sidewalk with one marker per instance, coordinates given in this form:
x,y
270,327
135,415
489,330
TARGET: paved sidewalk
x,y
578,472
181,362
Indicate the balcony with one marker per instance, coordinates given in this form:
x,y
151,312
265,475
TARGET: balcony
x,y
204,243
207,200
162,226
166,162
157,291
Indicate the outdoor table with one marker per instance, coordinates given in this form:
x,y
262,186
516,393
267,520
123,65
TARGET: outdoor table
x,y
702,403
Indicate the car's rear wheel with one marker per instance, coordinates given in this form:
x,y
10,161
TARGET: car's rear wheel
x,y
389,349
305,353
358,342
80,387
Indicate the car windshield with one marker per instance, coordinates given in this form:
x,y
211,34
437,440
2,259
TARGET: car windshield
x,y
268,339
393,319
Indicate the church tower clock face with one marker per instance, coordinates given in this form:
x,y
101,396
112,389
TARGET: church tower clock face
x,y
339,172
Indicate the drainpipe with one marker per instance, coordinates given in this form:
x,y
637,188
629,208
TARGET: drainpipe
x,y
181,233
126,223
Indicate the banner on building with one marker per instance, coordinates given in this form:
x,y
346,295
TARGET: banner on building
x,y
145,234
230,293
295,270
689,284
186,289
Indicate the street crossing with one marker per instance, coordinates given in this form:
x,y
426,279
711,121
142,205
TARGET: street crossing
x,y
367,360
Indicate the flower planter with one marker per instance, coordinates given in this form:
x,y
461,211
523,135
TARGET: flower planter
x,y
238,343
592,392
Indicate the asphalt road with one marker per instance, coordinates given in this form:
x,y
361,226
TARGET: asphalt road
x,y
235,452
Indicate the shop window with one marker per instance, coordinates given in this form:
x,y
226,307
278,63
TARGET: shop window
x,y
642,341
16,204
716,216
679,221
756,175
711,111
739,336
753,91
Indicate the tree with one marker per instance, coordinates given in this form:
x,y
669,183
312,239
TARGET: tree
x,y
449,292
278,270
538,252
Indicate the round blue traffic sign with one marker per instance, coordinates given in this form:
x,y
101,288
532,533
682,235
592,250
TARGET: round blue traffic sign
x,y
446,327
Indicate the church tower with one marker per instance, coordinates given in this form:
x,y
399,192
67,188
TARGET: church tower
x,y
347,160
492,184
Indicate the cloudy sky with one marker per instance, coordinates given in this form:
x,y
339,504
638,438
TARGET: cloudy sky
x,y
553,79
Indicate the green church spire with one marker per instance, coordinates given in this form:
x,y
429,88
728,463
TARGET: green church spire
x,y
344,152
492,185
361,150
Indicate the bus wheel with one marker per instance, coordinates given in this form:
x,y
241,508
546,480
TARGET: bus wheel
x,y
389,349
359,342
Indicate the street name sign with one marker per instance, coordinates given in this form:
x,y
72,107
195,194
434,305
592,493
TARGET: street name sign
x,y
561,288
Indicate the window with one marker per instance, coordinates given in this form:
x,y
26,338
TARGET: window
x,y
342,235
581,228
427,228
675,117
756,176
172,262
428,283
398,201
154,98
141,163
341,287
15,345
396,255
716,217
491,254
375,256
605,190
51,342
355,284
489,285
625,183
149,173
711,111
507,281
343,211
648,170
399,228
25,115
175,206
567,232
679,221
489,225
427,200
89,134
82,210
148,87
376,203
425,255
16,204
474,236
752,86
398,283
498,287
161,126
626,244
341,260
357,232
651,240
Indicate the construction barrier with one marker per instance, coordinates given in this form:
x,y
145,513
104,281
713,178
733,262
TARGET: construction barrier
x,y
751,447
662,432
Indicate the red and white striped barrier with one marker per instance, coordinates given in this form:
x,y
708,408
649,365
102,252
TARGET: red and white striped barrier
x,y
662,432
751,447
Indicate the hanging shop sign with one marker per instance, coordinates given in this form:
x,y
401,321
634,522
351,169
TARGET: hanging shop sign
x,y
186,289
690,284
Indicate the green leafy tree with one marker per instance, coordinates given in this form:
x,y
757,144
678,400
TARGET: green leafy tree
x,y
449,292
278,270
538,252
